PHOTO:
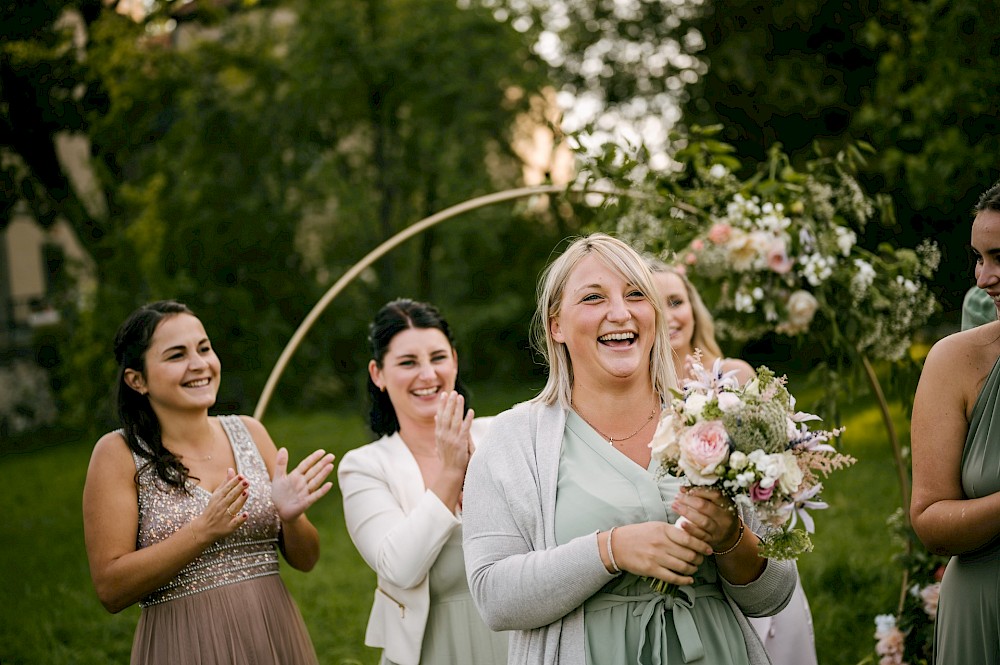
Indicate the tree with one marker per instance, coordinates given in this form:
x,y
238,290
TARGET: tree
x,y
245,159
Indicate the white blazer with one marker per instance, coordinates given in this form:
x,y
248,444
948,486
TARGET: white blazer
x,y
399,527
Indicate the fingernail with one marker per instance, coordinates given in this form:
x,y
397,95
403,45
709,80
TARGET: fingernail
x,y
246,484
244,492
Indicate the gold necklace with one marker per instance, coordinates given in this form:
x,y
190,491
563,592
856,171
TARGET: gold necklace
x,y
611,439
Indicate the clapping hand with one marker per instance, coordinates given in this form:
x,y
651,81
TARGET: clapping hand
x,y
293,493
223,514
452,428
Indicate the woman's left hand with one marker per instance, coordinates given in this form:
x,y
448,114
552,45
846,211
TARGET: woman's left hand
x,y
293,493
708,515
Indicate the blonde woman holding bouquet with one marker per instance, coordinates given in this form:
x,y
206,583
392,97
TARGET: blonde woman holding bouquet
x,y
955,507
568,526
788,636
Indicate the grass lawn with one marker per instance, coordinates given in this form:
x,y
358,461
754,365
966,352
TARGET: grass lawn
x,y
49,613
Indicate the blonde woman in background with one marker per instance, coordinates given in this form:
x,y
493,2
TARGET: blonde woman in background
x,y
788,636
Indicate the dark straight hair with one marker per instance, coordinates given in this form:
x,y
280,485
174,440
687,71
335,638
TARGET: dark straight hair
x,y
392,319
135,415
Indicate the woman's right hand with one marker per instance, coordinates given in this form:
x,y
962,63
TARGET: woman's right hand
x,y
659,550
452,427
224,512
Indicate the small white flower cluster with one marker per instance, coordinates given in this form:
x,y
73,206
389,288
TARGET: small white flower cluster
x,y
817,268
862,279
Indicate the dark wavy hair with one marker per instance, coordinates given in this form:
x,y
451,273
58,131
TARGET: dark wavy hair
x,y
990,200
392,319
135,415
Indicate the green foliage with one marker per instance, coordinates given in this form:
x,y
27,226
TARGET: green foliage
x,y
244,159
912,78
775,254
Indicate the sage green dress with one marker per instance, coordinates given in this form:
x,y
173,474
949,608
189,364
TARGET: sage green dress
x,y
967,629
627,622
455,633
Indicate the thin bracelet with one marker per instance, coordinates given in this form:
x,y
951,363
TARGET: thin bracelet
x,y
611,554
739,539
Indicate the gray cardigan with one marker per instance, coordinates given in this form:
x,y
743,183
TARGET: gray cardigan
x,y
522,581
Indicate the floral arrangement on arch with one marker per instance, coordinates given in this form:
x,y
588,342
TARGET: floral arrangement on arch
x,y
750,443
778,252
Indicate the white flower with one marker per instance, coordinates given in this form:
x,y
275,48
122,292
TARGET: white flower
x,y
665,442
743,302
845,239
884,623
718,171
694,404
791,478
802,307
816,268
772,467
729,402
862,279
737,460
908,285
745,479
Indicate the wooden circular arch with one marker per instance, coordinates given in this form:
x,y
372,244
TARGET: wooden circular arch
x,y
392,243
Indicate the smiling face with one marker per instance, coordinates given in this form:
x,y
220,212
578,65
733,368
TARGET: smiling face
x,y
678,310
606,323
418,366
181,372
986,249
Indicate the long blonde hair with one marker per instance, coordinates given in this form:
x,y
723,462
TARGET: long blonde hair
x,y
703,335
630,265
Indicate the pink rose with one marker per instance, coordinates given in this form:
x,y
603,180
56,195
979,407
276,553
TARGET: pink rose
x,y
929,595
719,233
691,258
777,257
758,493
704,448
697,245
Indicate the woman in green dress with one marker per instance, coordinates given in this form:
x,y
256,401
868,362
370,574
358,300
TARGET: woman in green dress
x,y
403,495
567,524
955,508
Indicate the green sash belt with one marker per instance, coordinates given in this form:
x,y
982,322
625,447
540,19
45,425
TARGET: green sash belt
x,y
652,607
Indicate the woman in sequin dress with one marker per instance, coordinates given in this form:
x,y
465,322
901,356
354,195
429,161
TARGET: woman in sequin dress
x,y
185,513
402,495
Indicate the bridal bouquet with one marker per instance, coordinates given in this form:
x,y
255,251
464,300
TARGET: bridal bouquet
x,y
751,444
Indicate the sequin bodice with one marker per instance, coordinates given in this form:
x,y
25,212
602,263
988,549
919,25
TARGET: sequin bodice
x,y
247,553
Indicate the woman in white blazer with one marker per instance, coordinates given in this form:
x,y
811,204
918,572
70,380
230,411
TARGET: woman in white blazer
x,y
403,494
